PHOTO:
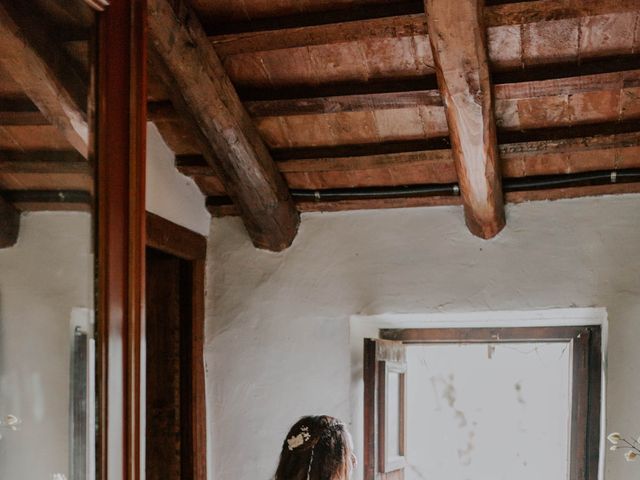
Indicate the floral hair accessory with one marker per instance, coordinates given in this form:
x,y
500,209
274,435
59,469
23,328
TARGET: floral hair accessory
x,y
297,440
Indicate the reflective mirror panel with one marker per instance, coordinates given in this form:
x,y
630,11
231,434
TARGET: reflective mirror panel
x,y
47,345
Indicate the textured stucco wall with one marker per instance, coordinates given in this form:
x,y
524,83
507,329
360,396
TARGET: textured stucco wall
x,y
278,324
170,194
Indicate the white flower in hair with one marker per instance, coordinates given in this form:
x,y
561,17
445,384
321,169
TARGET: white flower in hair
x,y
297,440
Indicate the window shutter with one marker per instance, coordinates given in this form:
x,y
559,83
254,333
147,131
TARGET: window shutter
x,y
385,368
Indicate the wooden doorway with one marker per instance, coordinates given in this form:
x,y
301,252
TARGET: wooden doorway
x,y
175,393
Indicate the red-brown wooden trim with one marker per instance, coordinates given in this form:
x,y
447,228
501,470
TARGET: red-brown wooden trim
x,y
174,239
178,241
579,412
370,368
594,398
121,136
481,335
198,386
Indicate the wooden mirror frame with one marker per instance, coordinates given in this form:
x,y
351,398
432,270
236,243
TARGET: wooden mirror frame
x,y
119,147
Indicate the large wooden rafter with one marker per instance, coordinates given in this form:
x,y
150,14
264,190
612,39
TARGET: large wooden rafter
x,y
43,71
458,44
202,92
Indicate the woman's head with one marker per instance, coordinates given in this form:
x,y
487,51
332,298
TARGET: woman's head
x,y
317,448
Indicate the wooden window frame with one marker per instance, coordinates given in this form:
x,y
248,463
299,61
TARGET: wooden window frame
x,y
587,369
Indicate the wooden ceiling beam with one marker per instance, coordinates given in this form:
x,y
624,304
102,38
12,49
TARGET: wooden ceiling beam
x,y
572,192
339,89
520,160
20,111
459,49
43,71
364,11
360,150
22,118
193,72
344,103
534,11
558,79
9,224
274,37
43,170
539,89
606,153
45,162
49,200
329,34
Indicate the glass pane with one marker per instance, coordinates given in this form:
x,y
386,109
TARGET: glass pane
x,y
47,347
488,412
393,415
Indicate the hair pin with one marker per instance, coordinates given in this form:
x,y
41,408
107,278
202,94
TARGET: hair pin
x,y
297,440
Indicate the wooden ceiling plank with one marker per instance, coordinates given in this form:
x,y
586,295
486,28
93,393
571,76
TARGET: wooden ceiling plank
x,y
400,26
34,137
23,118
194,72
44,170
459,49
210,185
506,15
343,103
572,192
520,13
49,200
17,109
543,158
9,224
299,15
28,55
601,153
523,106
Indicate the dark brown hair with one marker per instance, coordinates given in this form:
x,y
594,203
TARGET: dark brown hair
x,y
316,448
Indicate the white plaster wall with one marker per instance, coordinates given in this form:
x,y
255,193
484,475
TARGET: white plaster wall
x,y
42,278
278,324
170,194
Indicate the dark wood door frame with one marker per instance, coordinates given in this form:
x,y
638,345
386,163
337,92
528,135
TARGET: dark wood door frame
x,y
586,342
167,237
